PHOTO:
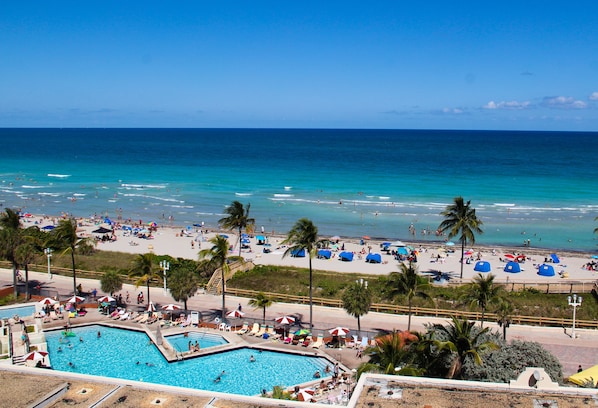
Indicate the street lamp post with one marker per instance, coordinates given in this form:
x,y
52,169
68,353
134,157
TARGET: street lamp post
x,y
574,301
165,265
48,252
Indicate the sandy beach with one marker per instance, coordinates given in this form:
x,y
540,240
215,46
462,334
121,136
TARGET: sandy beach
x,y
186,243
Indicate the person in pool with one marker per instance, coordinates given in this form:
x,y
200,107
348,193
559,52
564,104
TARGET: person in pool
x,y
252,359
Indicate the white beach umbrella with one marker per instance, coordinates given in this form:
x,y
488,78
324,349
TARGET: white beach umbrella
x,y
47,301
106,299
170,307
285,320
151,307
339,331
235,314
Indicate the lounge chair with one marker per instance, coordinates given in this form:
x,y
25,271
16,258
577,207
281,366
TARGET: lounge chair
x,y
143,319
364,342
254,329
287,340
125,316
319,341
194,318
306,342
262,330
222,326
271,333
243,329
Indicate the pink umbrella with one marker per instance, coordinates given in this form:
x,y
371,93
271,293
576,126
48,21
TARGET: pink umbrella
x,y
306,394
509,256
170,307
285,320
235,314
35,356
339,331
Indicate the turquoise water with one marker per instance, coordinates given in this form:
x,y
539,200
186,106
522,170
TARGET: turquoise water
x,y
130,355
540,186
181,343
22,311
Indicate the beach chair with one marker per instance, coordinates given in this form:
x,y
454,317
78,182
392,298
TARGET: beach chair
x,y
365,342
244,329
262,330
319,341
125,316
194,318
287,340
254,329
222,326
143,319
272,333
306,341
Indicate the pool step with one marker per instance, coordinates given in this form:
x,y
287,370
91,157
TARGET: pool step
x,y
18,360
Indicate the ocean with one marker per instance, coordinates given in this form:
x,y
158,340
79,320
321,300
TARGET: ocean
x,y
537,186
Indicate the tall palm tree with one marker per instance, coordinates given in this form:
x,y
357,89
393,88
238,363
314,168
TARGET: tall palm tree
x,y
460,219
483,291
407,283
462,340
238,218
66,238
504,312
357,299
10,239
145,269
217,256
303,236
261,301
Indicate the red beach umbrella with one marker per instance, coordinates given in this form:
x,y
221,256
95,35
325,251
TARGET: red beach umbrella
x,y
339,331
285,320
47,301
170,307
306,394
235,314
76,299
106,299
35,356
509,256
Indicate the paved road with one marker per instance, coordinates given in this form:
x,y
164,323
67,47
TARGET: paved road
x,y
571,352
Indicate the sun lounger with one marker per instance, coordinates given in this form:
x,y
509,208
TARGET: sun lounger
x,y
262,330
306,342
125,316
243,329
143,319
194,318
319,341
271,333
288,340
254,329
364,342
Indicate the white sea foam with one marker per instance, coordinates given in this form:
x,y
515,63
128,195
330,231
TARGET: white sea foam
x,y
243,194
287,188
141,186
79,194
384,198
284,195
28,186
58,175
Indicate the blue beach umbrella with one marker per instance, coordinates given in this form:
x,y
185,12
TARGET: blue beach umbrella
x,y
546,270
512,267
482,266
346,256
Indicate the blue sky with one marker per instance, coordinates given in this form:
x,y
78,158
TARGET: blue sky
x,y
525,65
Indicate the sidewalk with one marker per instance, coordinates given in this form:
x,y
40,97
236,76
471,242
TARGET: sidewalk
x,y
570,352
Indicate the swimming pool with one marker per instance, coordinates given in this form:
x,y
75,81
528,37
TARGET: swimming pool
x,y
180,343
8,312
128,354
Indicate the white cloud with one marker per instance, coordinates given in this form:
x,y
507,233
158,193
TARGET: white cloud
x,y
507,105
594,96
452,110
563,102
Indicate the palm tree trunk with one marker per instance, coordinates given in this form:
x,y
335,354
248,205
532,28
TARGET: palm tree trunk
x,y
358,325
483,313
409,319
223,292
27,296
14,279
311,303
462,252
264,315
74,273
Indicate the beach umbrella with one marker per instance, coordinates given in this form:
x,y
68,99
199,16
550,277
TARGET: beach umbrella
x,y
585,376
298,253
101,230
449,243
47,301
482,266
512,267
170,307
151,307
106,299
302,332
555,258
346,256
403,251
285,320
75,299
305,394
339,331
366,237
509,256
235,314
35,356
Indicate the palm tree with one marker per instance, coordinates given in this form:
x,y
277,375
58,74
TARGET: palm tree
x,y
261,301
304,237
182,283
10,239
504,313
357,299
461,339
144,269
408,283
66,237
217,256
25,254
392,355
460,219
482,291
111,282
238,218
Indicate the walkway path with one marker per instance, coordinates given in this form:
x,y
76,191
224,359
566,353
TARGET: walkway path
x,y
570,352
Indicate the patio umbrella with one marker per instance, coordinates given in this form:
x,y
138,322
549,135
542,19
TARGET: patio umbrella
x,y
35,356
285,320
301,332
306,394
335,238
101,230
170,307
482,266
76,299
235,314
151,307
339,331
106,299
47,301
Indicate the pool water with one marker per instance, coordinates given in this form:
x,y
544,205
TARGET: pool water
x,y
181,343
6,313
128,354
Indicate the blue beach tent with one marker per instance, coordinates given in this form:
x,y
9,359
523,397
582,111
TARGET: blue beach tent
x,y
324,254
482,266
555,259
346,256
512,267
373,258
402,251
546,270
298,253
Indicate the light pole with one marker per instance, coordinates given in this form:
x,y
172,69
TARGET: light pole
x,y
165,265
574,301
48,252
